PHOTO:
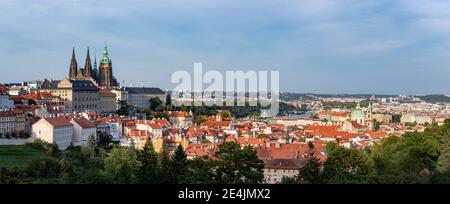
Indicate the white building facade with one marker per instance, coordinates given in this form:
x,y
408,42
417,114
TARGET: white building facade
x,y
57,131
82,130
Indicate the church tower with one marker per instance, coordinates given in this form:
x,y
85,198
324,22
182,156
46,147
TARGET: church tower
x,y
73,70
105,77
88,66
370,122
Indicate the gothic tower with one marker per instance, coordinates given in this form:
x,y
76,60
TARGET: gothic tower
x,y
105,70
73,70
95,70
88,66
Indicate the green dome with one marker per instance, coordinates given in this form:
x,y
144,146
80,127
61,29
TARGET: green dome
x,y
358,112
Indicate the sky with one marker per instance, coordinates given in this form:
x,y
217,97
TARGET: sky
x,y
318,46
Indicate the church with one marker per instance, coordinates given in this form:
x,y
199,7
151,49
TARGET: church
x,y
102,75
363,117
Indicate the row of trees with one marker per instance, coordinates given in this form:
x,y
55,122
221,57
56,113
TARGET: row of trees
x,y
22,134
415,158
156,105
122,165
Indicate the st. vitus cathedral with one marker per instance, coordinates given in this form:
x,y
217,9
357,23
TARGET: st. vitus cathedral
x,y
103,75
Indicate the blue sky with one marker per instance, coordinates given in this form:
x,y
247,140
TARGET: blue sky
x,y
320,46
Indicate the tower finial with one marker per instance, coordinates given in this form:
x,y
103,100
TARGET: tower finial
x,y
105,59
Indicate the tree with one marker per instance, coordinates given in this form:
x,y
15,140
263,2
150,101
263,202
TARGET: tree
x,y
346,166
183,108
396,118
168,99
5,178
238,166
155,103
201,171
200,119
304,107
226,115
43,167
288,180
179,166
162,116
164,164
263,136
311,172
104,140
23,134
124,109
96,176
92,144
376,125
121,164
32,102
169,104
444,159
160,108
148,164
74,162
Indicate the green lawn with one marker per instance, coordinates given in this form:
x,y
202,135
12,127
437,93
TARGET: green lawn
x,y
11,156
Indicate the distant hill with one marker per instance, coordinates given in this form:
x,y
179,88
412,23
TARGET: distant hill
x,y
295,96
435,98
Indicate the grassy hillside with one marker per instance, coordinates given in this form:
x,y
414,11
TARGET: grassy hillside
x,y
11,156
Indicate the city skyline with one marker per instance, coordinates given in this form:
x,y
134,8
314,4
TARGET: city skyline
x,y
376,47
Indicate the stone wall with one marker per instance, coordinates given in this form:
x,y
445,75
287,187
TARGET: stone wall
x,y
4,141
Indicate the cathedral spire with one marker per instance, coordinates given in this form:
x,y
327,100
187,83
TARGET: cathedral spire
x,y
73,69
88,65
105,59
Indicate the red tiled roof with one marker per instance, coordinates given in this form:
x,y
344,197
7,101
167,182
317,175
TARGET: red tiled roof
x,y
139,133
275,125
37,95
106,92
28,107
180,114
84,123
199,152
162,122
216,123
33,120
291,164
376,134
154,125
58,122
336,114
357,125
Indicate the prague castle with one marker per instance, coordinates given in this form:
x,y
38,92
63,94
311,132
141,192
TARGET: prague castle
x,y
102,75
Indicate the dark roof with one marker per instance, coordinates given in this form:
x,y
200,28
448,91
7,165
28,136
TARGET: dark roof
x,y
83,85
50,84
137,90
